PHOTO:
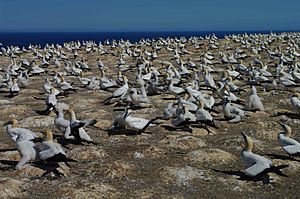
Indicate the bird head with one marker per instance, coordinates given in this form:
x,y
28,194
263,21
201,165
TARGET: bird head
x,y
287,129
48,136
248,142
13,122
52,90
296,95
201,103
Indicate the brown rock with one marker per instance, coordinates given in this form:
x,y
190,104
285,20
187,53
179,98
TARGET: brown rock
x,y
89,190
87,153
103,124
153,152
119,169
200,132
210,156
11,188
183,175
10,155
29,171
37,121
183,143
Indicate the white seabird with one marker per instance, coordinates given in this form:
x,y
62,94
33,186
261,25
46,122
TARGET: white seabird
x,y
296,102
50,148
119,92
82,134
14,131
255,164
254,101
289,145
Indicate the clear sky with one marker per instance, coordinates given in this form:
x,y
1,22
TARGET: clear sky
x,y
148,15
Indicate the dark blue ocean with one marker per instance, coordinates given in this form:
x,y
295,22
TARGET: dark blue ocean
x,y
42,38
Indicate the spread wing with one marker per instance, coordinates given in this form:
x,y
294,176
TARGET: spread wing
x,y
256,169
46,154
292,149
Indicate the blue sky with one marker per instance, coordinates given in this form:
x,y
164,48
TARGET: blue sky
x,y
148,15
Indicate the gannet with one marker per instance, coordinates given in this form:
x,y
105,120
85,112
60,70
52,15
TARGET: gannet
x,y
14,132
255,164
80,133
120,92
209,80
35,69
254,101
169,112
47,85
99,63
94,84
137,123
83,80
65,86
27,151
23,79
174,89
289,145
50,148
234,114
51,100
183,116
105,82
14,89
202,115
63,125
139,100
296,102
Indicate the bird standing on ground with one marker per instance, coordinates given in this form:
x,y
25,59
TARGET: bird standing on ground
x,y
256,164
50,148
120,92
289,145
255,103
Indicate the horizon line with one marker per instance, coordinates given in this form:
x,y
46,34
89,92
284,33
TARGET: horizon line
x,y
146,31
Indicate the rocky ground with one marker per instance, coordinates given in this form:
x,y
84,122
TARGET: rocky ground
x,y
159,163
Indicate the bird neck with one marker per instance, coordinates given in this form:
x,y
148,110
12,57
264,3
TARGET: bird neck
x,y
287,132
49,136
249,145
73,116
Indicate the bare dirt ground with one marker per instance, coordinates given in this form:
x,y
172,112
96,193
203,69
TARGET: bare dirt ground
x,y
159,163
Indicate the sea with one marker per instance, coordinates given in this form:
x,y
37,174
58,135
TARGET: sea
x,y
24,39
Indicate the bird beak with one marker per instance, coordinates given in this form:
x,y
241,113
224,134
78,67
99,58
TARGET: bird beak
x,y
281,124
7,123
244,135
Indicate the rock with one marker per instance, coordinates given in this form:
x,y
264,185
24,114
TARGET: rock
x,y
89,153
29,171
4,102
183,175
153,152
88,191
183,143
210,156
8,110
269,133
10,155
11,188
119,169
37,121
81,103
200,132
103,124
259,115
284,103
63,169
138,155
